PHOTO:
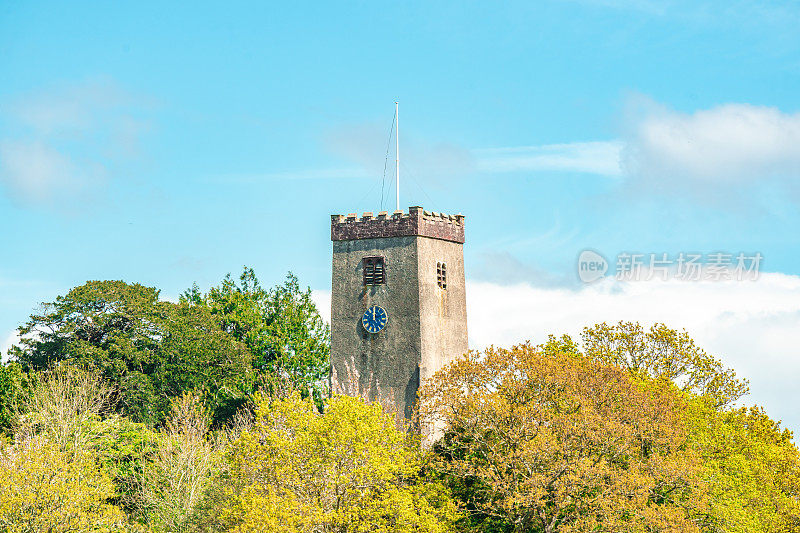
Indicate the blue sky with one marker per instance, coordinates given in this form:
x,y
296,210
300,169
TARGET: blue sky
x,y
171,144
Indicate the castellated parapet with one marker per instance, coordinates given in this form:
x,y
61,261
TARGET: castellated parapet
x,y
417,222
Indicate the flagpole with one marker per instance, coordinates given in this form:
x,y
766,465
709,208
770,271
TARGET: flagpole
x,y
397,149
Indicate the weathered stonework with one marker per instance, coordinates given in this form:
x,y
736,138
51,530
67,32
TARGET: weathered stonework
x,y
416,223
427,325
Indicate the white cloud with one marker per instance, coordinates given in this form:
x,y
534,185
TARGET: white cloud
x,y
447,161
10,339
35,171
732,144
65,142
753,326
322,299
729,150
598,157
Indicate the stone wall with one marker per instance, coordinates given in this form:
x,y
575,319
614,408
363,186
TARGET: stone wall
x,y
427,325
416,222
383,366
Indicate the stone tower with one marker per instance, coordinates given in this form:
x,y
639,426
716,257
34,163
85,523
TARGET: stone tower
x,y
410,268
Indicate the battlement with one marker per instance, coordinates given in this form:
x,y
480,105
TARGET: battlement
x,y
417,222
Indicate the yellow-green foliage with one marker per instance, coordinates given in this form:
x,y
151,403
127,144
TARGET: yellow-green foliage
x,y
348,470
630,430
542,441
42,488
753,470
662,352
751,466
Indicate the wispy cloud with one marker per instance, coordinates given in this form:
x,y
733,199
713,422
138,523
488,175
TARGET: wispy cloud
x,y
504,268
370,147
34,171
598,157
365,145
299,174
727,150
731,144
64,143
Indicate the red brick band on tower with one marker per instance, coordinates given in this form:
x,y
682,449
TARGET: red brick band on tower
x,y
416,222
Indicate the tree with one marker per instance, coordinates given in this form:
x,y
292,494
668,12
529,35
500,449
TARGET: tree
x,y
14,389
661,352
69,408
122,448
752,466
52,476
149,350
542,441
179,469
46,489
65,407
347,470
281,327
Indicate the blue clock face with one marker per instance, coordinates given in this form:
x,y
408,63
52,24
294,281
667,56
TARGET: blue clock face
x,y
374,319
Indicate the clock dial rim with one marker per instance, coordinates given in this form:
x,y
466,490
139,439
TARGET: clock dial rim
x,y
379,323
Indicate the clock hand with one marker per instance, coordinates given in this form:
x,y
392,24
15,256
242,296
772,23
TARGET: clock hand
x,y
373,313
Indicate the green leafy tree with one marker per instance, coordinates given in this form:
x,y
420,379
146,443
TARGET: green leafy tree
x,y
15,386
281,327
148,349
69,407
750,465
349,470
122,448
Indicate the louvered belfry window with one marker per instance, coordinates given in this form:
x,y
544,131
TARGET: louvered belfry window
x,y
441,275
374,271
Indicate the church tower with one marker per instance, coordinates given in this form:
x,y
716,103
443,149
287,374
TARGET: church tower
x,y
398,303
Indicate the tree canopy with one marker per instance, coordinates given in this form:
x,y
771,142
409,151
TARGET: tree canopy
x,y
347,470
50,476
538,441
149,349
662,352
752,467
281,327
225,344
122,411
